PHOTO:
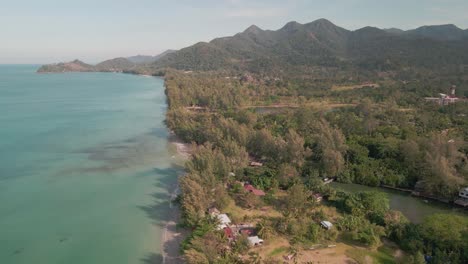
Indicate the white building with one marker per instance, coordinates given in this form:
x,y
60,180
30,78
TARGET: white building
x,y
255,240
463,193
326,224
224,221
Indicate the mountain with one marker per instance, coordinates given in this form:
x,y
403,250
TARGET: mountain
x,y
319,46
144,59
294,43
73,66
440,32
323,44
394,30
134,64
115,65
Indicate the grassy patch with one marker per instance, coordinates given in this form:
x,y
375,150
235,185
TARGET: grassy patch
x,y
239,213
383,255
278,251
352,87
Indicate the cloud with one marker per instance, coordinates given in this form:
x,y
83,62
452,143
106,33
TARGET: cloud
x,y
255,12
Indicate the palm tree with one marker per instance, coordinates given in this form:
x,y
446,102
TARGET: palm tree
x,y
255,258
264,229
294,252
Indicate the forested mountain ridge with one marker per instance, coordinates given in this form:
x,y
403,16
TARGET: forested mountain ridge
x,y
321,43
144,59
440,32
134,64
297,47
72,66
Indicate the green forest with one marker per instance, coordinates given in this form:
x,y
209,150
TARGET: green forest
x,y
304,130
273,116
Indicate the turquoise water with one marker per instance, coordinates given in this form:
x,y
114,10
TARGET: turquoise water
x,y
85,167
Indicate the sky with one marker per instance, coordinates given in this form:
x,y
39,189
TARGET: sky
x,y
46,31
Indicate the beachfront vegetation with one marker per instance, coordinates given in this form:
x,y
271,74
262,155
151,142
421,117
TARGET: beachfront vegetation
x,y
306,104
310,103
375,139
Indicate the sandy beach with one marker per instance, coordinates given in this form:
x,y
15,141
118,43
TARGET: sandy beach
x,y
172,235
183,149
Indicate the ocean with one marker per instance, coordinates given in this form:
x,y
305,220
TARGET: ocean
x,y
85,167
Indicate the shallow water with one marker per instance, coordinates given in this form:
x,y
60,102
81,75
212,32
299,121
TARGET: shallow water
x,y
85,167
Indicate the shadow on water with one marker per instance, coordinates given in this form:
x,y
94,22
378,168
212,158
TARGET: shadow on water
x,y
163,216
152,258
119,155
158,211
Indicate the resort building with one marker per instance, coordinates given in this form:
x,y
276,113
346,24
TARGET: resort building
x,y
463,193
255,191
326,224
224,221
444,99
255,241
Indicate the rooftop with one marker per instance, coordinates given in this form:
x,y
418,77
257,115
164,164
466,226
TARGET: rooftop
x,y
224,221
254,190
326,224
255,240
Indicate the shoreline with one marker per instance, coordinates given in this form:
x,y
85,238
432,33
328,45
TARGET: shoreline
x,y
172,236
183,149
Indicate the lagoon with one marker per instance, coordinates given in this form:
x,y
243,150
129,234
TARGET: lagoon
x,y
413,208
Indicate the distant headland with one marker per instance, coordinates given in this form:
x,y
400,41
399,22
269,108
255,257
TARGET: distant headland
x,y
134,64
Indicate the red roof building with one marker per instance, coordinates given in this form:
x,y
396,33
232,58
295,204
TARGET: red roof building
x,y
228,232
247,231
257,192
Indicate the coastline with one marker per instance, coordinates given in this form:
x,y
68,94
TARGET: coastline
x,y
172,236
183,149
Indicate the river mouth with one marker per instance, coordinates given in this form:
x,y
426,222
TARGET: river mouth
x,y
86,167
413,208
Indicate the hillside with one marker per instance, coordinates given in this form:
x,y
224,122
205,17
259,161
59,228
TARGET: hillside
x,y
319,46
73,66
134,64
143,59
321,43
441,32
115,65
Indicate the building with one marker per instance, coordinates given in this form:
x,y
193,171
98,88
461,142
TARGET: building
x,y
224,221
317,197
213,211
228,233
255,241
327,180
250,188
462,197
326,224
463,193
248,231
256,164
444,99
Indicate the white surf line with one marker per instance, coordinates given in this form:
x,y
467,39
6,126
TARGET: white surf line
x,y
162,245
171,198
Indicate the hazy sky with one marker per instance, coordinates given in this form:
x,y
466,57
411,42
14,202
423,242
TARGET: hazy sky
x,y
43,31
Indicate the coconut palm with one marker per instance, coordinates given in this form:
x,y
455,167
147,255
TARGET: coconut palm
x,y
294,252
255,258
264,229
